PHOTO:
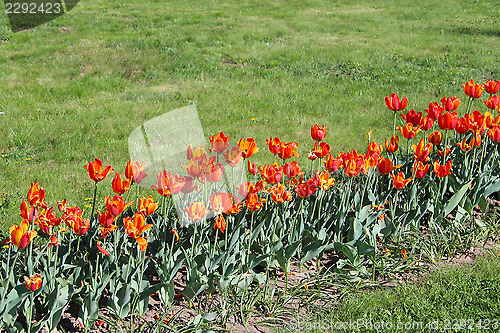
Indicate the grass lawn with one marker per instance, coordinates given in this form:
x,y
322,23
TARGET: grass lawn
x,y
460,298
74,88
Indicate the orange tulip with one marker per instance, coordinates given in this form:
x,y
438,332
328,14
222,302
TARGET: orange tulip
x,y
119,186
221,202
399,181
494,133
305,189
36,194
272,174
408,131
135,227
393,145
492,87
135,172
20,236
220,223
33,282
96,173
493,102
287,150
472,89
442,170
426,123
147,206
412,117
420,169
250,188
248,147
188,185
464,146
374,149
489,122
252,168
280,194
333,164
434,111
219,142
233,156
196,211
385,166
435,138
47,219
169,183
325,182
322,150
448,121
292,169
462,125
394,104
422,152
253,202
72,217
214,172
450,103
274,145
116,205
106,231
476,122
318,133
353,167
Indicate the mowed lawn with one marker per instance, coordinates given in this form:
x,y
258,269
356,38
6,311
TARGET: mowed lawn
x,y
74,88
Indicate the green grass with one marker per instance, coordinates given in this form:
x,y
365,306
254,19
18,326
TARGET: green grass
x,y
464,295
74,88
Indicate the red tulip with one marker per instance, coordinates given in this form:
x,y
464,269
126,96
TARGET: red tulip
x,y
442,170
399,181
472,89
493,102
448,121
435,138
219,142
412,117
318,133
394,104
492,87
96,173
393,145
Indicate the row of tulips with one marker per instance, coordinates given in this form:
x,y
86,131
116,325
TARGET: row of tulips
x,y
238,230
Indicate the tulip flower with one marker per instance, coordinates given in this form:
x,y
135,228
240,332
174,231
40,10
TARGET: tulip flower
x,y
462,125
309,187
250,188
196,211
434,111
221,202
333,164
47,219
493,102
312,156
394,104
399,181
272,174
116,205
392,146
287,150
106,231
147,206
492,87
325,181
119,186
374,149
464,146
72,217
494,133
322,150
448,121
280,194
441,152
274,145
254,203
169,183
214,172
426,123
385,166
472,89
476,122
248,147
318,133
450,103
187,184
412,117
33,282
292,169
408,131
36,194
20,236
101,249
442,170
420,170
252,168
135,172
220,223
422,152
96,173
233,156
353,167
489,122
435,138
219,142
135,227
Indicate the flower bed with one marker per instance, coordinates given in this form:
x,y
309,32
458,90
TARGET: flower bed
x,y
229,233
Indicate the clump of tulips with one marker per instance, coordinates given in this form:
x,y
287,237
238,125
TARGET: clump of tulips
x,y
231,234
